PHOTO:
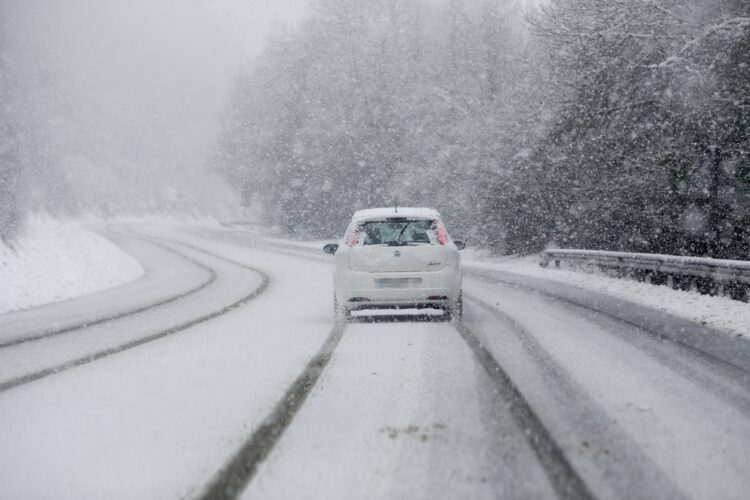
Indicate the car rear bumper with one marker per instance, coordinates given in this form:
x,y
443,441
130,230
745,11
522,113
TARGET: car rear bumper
x,y
438,289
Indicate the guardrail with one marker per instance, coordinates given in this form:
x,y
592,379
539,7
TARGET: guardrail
x,y
708,276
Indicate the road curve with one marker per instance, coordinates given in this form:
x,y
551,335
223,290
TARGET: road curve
x,y
170,413
530,397
229,285
167,276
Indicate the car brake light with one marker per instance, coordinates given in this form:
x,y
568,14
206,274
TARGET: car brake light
x,y
440,232
351,235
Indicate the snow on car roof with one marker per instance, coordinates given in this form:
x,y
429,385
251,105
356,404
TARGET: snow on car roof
x,y
385,212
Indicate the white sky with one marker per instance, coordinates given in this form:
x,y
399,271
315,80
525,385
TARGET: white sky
x,y
145,81
155,73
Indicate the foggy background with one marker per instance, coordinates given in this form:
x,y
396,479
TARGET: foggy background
x,y
618,125
115,104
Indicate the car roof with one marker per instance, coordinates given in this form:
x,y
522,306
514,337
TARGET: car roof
x,y
387,212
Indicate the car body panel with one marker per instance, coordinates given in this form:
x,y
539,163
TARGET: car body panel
x,y
384,258
373,276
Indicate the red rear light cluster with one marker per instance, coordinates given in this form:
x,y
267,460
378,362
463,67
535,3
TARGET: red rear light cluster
x,y
352,234
442,236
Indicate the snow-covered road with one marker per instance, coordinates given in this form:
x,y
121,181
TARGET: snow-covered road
x,y
220,373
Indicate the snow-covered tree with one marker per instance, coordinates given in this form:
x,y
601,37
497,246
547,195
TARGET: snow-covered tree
x,y
11,210
617,125
631,130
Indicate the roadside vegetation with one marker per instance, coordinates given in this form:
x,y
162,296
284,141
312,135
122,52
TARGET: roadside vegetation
x,y
619,125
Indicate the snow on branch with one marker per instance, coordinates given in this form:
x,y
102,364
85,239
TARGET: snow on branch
x,y
729,29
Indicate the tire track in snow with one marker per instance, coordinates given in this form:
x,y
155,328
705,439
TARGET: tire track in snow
x,y
124,314
246,239
232,478
239,471
83,360
644,478
656,329
563,477
730,384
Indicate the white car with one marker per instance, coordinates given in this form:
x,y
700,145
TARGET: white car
x,y
396,257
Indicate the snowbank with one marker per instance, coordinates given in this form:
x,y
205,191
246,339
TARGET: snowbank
x,y
718,312
56,260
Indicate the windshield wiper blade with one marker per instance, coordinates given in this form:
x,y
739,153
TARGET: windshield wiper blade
x,y
398,238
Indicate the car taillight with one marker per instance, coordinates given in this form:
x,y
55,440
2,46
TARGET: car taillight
x,y
442,237
351,235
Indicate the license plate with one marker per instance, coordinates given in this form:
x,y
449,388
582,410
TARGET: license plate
x,y
398,282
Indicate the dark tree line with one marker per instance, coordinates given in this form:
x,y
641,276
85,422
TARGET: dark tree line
x,y
649,149
619,124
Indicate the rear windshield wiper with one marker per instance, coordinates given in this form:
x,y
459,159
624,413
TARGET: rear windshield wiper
x,y
398,238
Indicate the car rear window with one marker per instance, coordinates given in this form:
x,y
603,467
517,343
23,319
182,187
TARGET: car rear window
x,y
398,232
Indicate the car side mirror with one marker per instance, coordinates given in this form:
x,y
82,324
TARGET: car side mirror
x,y
459,244
331,248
